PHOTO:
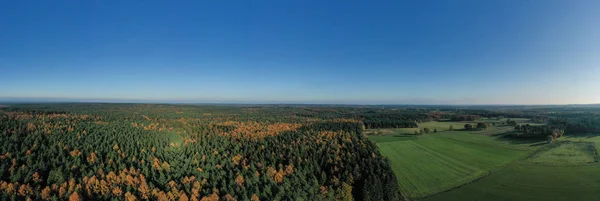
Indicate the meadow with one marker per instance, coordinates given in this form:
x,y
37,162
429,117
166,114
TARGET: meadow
x,y
484,165
444,125
432,125
525,181
438,162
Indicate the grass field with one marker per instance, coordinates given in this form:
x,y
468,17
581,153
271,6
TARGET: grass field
x,y
432,125
445,125
392,138
565,171
531,182
566,153
433,163
595,138
480,165
495,130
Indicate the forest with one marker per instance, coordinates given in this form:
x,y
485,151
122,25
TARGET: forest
x,y
88,151
167,152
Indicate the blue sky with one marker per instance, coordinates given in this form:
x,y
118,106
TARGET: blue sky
x,y
349,52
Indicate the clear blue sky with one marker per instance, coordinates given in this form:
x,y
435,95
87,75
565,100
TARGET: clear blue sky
x,y
363,52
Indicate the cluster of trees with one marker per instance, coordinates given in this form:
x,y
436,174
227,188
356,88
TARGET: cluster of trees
x,y
424,131
466,118
372,118
538,132
387,119
165,152
579,124
370,124
479,126
511,122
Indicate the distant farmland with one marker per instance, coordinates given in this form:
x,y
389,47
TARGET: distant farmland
x,y
482,165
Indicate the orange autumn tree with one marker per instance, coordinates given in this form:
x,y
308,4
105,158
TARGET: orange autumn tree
x,y
46,193
74,197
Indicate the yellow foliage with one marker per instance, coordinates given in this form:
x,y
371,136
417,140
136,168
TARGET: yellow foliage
x,y
25,190
10,189
46,193
117,192
129,197
212,197
183,197
165,166
239,180
279,176
289,169
161,196
236,159
229,198
144,191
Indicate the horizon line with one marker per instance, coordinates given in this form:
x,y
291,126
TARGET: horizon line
x,y
12,100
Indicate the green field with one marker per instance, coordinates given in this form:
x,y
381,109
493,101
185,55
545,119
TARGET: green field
x,y
432,125
445,125
495,130
585,138
531,182
434,163
480,165
566,153
392,138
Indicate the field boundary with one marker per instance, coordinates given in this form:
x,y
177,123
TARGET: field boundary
x,y
591,145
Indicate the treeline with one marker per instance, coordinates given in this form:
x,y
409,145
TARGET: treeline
x,y
164,152
389,123
478,126
394,119
578,125
537,132
466,118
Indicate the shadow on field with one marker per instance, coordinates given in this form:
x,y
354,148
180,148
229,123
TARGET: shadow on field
x,y
404,135
586,135
505,137
538,144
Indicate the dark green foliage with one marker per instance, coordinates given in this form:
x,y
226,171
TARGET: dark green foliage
x,y
584,123
57,142
466,118
482,126
537,132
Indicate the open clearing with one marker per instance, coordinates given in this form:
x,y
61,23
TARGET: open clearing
x,y
595,138
566,153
